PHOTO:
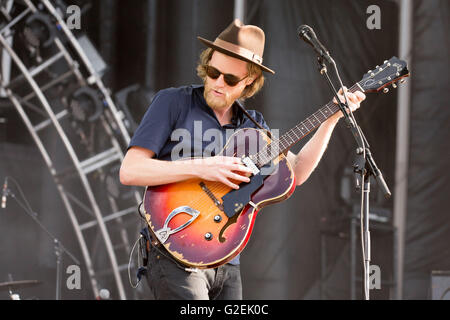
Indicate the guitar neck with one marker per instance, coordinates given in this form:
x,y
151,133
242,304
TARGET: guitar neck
x,y
294,135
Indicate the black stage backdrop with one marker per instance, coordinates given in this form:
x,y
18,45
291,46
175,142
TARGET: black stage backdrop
x,y
428,228
301,248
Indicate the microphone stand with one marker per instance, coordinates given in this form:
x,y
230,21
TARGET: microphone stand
x,y
364,167
59,247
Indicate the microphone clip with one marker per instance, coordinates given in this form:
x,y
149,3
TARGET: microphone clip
x,y
322,66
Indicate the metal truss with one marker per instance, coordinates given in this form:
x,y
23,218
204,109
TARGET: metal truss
x,y
51,77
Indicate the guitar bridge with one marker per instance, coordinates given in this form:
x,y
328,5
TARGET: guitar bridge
x,y
211,195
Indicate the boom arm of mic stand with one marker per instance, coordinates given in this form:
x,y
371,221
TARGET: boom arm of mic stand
x,y
33,215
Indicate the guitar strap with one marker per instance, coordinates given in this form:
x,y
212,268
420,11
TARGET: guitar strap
x,y
268,133
253,120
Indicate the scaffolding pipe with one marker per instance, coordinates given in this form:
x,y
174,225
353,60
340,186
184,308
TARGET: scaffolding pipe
x,y
402,145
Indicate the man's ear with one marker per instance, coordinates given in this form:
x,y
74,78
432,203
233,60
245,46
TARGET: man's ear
x,y
249,80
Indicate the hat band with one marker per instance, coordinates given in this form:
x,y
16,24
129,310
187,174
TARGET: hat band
x,y
243,52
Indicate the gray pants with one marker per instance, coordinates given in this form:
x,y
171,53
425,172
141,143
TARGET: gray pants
x,y
168,279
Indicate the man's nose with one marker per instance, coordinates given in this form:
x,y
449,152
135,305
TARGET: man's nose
x,y
220,81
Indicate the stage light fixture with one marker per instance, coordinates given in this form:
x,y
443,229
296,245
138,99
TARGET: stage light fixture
x,y
133,101
92,54
85,105
39,30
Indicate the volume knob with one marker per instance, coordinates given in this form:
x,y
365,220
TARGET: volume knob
x,y
208,236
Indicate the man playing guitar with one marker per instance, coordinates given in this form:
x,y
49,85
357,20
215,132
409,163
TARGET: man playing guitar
x,y
231,69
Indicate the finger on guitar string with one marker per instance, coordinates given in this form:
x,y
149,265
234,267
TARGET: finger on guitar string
x,y
238,177
360,95
220,168
240,167
227,182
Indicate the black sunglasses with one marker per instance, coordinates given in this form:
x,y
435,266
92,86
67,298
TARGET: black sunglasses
x,y
230,79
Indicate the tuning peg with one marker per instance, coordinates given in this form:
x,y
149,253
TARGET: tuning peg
x,y
394,86
402,80
386,90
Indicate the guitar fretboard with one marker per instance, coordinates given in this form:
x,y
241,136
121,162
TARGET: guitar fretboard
x,y
291,137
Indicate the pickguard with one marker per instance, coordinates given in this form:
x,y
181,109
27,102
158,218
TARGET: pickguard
x,y
235,200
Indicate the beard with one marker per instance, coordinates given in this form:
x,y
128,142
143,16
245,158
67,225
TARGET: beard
x,y
217,102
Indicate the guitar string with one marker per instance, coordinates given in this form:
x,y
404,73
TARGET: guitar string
x,y
216,188
219,187
222,187
332,108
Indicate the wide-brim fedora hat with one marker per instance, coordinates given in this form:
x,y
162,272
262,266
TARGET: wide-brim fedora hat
x,y
245,42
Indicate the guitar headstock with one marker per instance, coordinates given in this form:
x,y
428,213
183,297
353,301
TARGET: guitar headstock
x,y
390,72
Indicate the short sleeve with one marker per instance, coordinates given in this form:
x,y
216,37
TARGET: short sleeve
x,y
158,122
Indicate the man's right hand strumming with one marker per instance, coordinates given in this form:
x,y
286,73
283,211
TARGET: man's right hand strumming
x,y
228,170
139,168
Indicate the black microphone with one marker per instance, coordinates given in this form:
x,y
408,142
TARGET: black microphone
x,y
4,193
307,34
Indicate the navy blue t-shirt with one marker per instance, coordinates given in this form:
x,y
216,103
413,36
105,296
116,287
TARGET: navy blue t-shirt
x,y
180,124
